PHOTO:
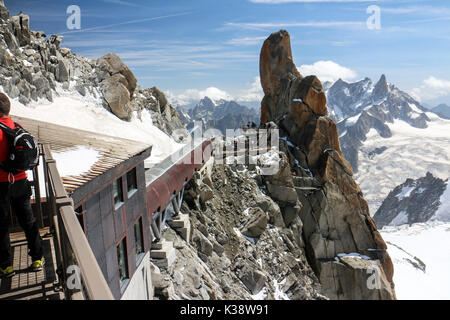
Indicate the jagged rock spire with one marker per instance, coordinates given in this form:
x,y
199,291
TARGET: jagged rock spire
x,y
335,216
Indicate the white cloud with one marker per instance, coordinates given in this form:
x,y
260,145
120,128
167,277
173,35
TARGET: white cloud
x,y
431,88
194,95
247,41
254,93
424,10
327,71
307,24
120,2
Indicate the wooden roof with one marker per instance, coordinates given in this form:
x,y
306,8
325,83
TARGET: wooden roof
x,y
112,150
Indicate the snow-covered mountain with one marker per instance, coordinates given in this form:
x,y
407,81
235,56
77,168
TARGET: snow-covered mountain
x,y
415,201
387,136
442,110
219,114
421,260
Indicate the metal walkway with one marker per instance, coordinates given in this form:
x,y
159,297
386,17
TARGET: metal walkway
x,y
28,285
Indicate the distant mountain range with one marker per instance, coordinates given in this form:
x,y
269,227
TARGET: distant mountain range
x,y
387,135
361,106
221,115
442,110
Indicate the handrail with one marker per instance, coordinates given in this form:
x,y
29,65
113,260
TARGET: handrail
x,y
72,244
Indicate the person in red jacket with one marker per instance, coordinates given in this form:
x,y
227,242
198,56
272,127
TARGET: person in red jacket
x,y
15,194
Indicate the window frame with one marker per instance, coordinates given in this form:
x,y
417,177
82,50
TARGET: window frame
x,y
121,197
123,282
132,189
139,255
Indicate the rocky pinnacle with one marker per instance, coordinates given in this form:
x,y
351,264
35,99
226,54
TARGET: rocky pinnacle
x,y
342,242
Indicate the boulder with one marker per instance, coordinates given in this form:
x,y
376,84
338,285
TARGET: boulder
x,y
62,71
160,96
5,58
256,224
252,278
114,65
56,40
202,243
21,25
282,193
272,209
353,278
206,193
4,13
117,96
10,40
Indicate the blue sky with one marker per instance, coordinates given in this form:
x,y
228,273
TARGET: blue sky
x,y
197,47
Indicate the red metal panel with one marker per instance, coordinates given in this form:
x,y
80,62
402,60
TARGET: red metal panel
x,y
160,191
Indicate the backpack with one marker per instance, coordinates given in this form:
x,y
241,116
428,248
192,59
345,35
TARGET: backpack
x,y
23,150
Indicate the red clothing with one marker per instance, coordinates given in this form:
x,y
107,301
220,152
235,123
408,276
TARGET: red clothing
x,y
4,151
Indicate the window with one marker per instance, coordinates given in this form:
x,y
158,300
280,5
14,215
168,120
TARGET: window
x,y
123,262
118,192
139,238
131,181
80,216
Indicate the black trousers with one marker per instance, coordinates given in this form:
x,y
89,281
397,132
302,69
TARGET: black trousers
x,y
16,196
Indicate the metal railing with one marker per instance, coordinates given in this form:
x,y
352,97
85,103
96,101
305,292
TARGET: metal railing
x,y
78,270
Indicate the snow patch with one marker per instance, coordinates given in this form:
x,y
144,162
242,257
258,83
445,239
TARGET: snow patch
x,y
70,109
401,218
260,295
426,241
443,213
353,255
75,162
405,193
352,120
279,294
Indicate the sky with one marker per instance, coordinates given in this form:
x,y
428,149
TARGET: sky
x,y
194,48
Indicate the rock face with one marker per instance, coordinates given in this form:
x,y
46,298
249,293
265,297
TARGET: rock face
x,y
276,68
414,201
240,248
334,216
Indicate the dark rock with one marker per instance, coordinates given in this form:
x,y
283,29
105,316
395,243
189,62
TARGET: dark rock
x,y
414,201
256,223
